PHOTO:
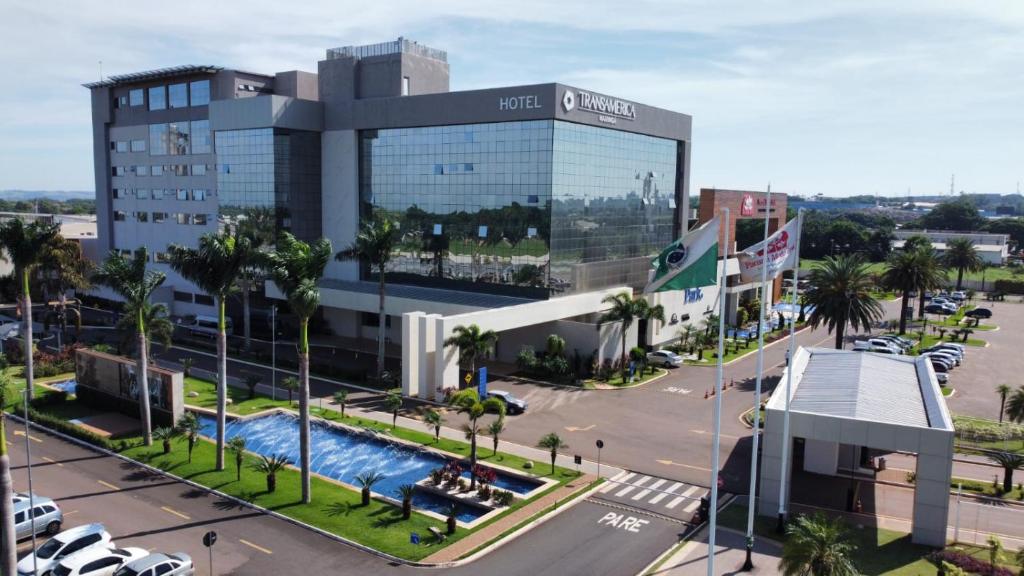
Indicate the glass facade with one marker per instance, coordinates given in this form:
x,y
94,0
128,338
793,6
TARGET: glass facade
x,y
266,171
200,92
530,208
177,95
157,98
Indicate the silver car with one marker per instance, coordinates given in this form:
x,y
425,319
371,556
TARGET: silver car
x,y
48,516
158,564
664,358
61,546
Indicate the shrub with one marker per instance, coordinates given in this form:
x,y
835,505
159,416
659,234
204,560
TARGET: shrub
x,y
65,427
503,497
969,563
49,398
526,360
484,474
1010,286
437,476
483,492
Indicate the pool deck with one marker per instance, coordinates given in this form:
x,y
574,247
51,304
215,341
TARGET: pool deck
x,y
491,532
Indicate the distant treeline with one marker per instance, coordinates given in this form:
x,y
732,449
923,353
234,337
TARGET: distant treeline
x,y
48,206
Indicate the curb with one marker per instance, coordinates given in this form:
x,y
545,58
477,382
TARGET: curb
x,y
784,338
631,386
672,550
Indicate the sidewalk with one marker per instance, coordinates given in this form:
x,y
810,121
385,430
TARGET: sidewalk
x,y
730,553
495,530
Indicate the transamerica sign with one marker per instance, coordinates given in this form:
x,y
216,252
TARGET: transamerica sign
x,y
598,104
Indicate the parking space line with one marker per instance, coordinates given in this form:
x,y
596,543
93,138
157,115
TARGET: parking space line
x,y
251,545
52,461
641,493
175,512
675,502
107,484
624,491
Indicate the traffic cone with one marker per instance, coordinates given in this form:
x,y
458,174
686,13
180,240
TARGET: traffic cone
x,y
705,393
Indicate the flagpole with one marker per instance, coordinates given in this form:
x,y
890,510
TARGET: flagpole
x,y
749,563
716,438
789,374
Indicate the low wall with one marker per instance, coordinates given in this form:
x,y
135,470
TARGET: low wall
x,y
108,382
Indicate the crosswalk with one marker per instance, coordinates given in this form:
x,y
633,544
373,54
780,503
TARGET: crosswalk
x,y
651,493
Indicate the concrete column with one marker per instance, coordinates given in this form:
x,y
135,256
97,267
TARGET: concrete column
x,y
411,354
426,335
771,464
931,488
446,359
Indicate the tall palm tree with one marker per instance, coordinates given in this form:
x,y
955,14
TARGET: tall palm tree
x,y
392,404
553,443
1015,406
375,244
155,321
817,546
468,402
25,245
909,271
215,267
130,279
258,226
495,430
962,255
1003,390
840,291
473,343
935,276
8,544
188,424
1010,461
623,308
64,268
296,267
434,419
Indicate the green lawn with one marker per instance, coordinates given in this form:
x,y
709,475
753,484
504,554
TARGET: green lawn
x,y
241,404
986,488
932,339
617,381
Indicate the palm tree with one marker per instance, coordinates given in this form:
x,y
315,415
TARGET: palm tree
x,y
366,481
1010,461
434,419
296,267
130,279
271,465
341,399
840,291
555,345
472,343
375,244
961,255
188,424
237,447
214,267
495,430
258,227
406,492
165,434
1003,390
65,269
158,327
553,443
468,402
909,271
625,309
8,544
392,404
817,546
934,276
290,384
25,245
684,334
251,382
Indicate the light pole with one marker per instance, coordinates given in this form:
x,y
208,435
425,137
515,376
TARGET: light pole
x,y
31,495
273,352
600,444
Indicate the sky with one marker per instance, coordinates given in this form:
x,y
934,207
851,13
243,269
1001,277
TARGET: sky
x,y
837,98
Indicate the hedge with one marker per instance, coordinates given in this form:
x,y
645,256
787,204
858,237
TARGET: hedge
x,y
65,427
1010,286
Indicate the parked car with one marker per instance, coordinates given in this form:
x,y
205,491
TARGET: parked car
x,y
952,307
899,341
955,358
48,516
942,377
883,343
158,564
940,300
208,325
940,366
956,345
664,358
959,295
979,313
63,545
513,405
938,309
957,354
949,363
98,561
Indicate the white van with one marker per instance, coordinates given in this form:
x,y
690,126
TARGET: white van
x,y
207,326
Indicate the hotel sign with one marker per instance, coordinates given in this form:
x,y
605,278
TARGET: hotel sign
x,y
606,107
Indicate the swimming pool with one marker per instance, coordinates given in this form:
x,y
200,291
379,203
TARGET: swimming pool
x,y
68,386
342,455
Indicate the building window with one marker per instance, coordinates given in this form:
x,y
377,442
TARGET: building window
x,y
121,102
142,193
136,97
178,169
158,194
157,139
178,142
140,170
156,170
138,145
199,169
183,297
204,299
159,217
157,98
117,193
117,171
200,137
182,194
199,194
120,146
119,216
142,216
405,85
199,219
177,95
200,92
183,218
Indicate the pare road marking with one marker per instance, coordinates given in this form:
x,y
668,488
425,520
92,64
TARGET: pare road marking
x,y
623,522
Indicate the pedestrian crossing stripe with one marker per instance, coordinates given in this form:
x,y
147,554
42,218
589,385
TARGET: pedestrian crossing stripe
x,y
678,496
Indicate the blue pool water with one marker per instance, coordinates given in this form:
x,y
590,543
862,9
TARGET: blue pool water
x,y
342,455
67,386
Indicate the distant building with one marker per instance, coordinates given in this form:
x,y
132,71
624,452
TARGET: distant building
x,y
993,248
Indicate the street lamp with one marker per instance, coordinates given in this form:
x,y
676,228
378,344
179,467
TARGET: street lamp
x,y
31,495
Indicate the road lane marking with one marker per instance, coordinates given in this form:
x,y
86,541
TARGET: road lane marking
x,y
625,491
641,481
175,512
52,461
581,429
611,485
641,494
675,502
722,434
691,506
657,498
690,491
30,437
107,484
673,487
251,545
671,463
656,484
70,513
617,481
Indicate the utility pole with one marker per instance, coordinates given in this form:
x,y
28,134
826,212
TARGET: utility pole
x,y
952,184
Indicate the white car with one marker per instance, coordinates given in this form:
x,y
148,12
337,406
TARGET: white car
x,y
98,561
664,358
63,545
157,564
958,295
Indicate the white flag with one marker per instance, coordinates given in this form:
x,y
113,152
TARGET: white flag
x,y
781,253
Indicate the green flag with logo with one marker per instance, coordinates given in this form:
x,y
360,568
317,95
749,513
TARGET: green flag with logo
x,y
689,262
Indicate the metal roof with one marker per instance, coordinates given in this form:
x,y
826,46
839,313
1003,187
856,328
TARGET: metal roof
x,y
154,75
864,386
